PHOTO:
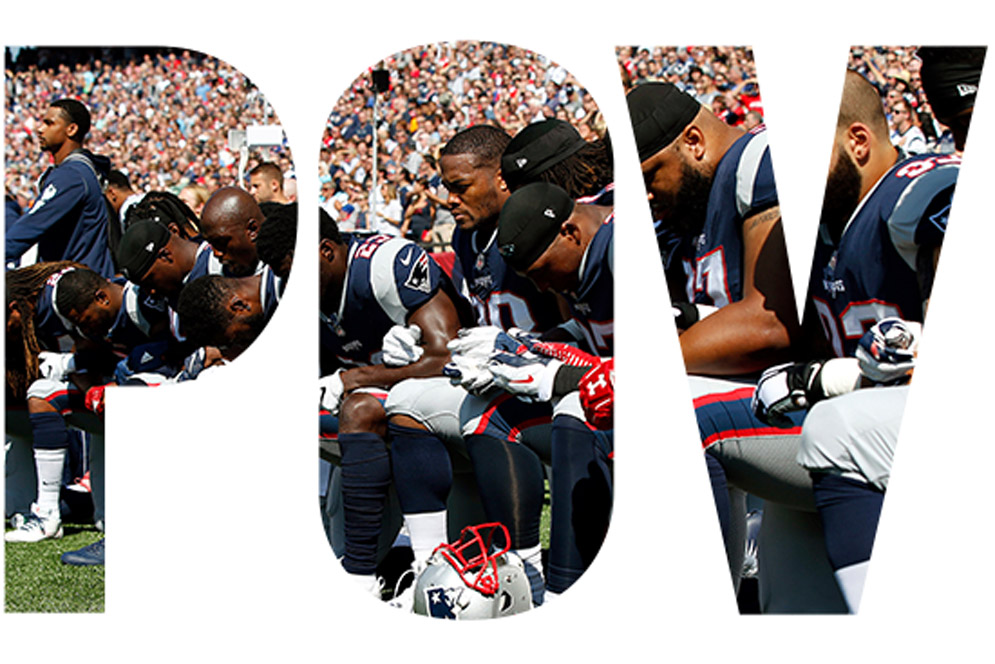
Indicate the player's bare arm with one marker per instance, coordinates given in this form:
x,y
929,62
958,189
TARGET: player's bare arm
x,y
756,331
439,323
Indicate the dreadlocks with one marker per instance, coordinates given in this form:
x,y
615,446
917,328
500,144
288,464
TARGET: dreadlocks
x,y
584,173
166,208
23,288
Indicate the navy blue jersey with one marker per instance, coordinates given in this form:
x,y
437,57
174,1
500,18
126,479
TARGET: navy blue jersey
x,y
592,304
68,221
499,295
387,279
742,187
872,272
138,318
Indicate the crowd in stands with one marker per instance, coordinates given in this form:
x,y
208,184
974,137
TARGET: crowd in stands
x,y
431,93
162,116
725,80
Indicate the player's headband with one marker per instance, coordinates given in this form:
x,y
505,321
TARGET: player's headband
x,y
659,112
529,222
538,147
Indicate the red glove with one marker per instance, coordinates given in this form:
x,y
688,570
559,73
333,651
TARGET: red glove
x,y
94,399
597,395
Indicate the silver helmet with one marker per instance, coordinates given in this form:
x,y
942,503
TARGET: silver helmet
x,y
471,579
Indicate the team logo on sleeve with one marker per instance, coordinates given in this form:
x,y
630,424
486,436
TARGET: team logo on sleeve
x,y
419,278
49,193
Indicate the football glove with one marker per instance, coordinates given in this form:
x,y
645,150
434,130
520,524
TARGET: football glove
x,y
55,366
94,399
470,373
331,391
527,375
480,342
887,351
401,346
786,388
597,395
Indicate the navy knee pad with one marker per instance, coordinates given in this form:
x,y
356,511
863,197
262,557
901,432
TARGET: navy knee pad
x,y
365,483
582,501
423,472
849,510
49,431
511,484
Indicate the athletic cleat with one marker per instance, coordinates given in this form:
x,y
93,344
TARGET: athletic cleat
x,y
37,527
81,485
88,555
404,591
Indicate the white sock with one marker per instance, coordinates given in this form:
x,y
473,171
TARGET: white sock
x,y
532,557
426,531
851,582
49,464
368,582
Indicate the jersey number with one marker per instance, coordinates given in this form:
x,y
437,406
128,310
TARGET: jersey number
x,y
505,310
856,319
709,277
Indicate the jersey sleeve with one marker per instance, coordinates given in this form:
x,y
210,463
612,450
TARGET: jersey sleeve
x,y
403,277
919,219
61,195
755,189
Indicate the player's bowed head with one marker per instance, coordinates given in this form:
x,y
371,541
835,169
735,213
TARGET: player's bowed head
x,y
543,235
680,144
230,222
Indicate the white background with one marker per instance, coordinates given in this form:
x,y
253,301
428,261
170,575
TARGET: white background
x,y
216,548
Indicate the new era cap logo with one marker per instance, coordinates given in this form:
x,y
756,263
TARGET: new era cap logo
x,y
521,161
150,246
549,213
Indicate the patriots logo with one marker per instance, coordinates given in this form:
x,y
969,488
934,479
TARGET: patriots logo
x,y
50,192
419,278
441,602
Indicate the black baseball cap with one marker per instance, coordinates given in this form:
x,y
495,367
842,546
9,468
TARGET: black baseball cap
x,y
139,246
538,147
659,112
529,222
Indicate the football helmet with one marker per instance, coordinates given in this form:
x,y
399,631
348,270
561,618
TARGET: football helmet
x,y
472,579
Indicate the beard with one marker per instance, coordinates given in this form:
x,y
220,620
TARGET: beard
x,y
842,195
685,211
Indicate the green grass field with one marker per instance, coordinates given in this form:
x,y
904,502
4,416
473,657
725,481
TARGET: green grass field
x,y
36,581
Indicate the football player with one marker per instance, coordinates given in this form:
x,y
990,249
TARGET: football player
x,y
565,247
68,221
99,315
711,190
896,211
426,414
369,286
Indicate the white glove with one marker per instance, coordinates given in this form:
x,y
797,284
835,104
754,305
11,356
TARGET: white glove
x,y
331,391
887,351
469,372
783,389
474,342
401,346
528,376
56,366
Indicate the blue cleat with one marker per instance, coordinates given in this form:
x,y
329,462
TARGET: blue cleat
x,y
88,555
